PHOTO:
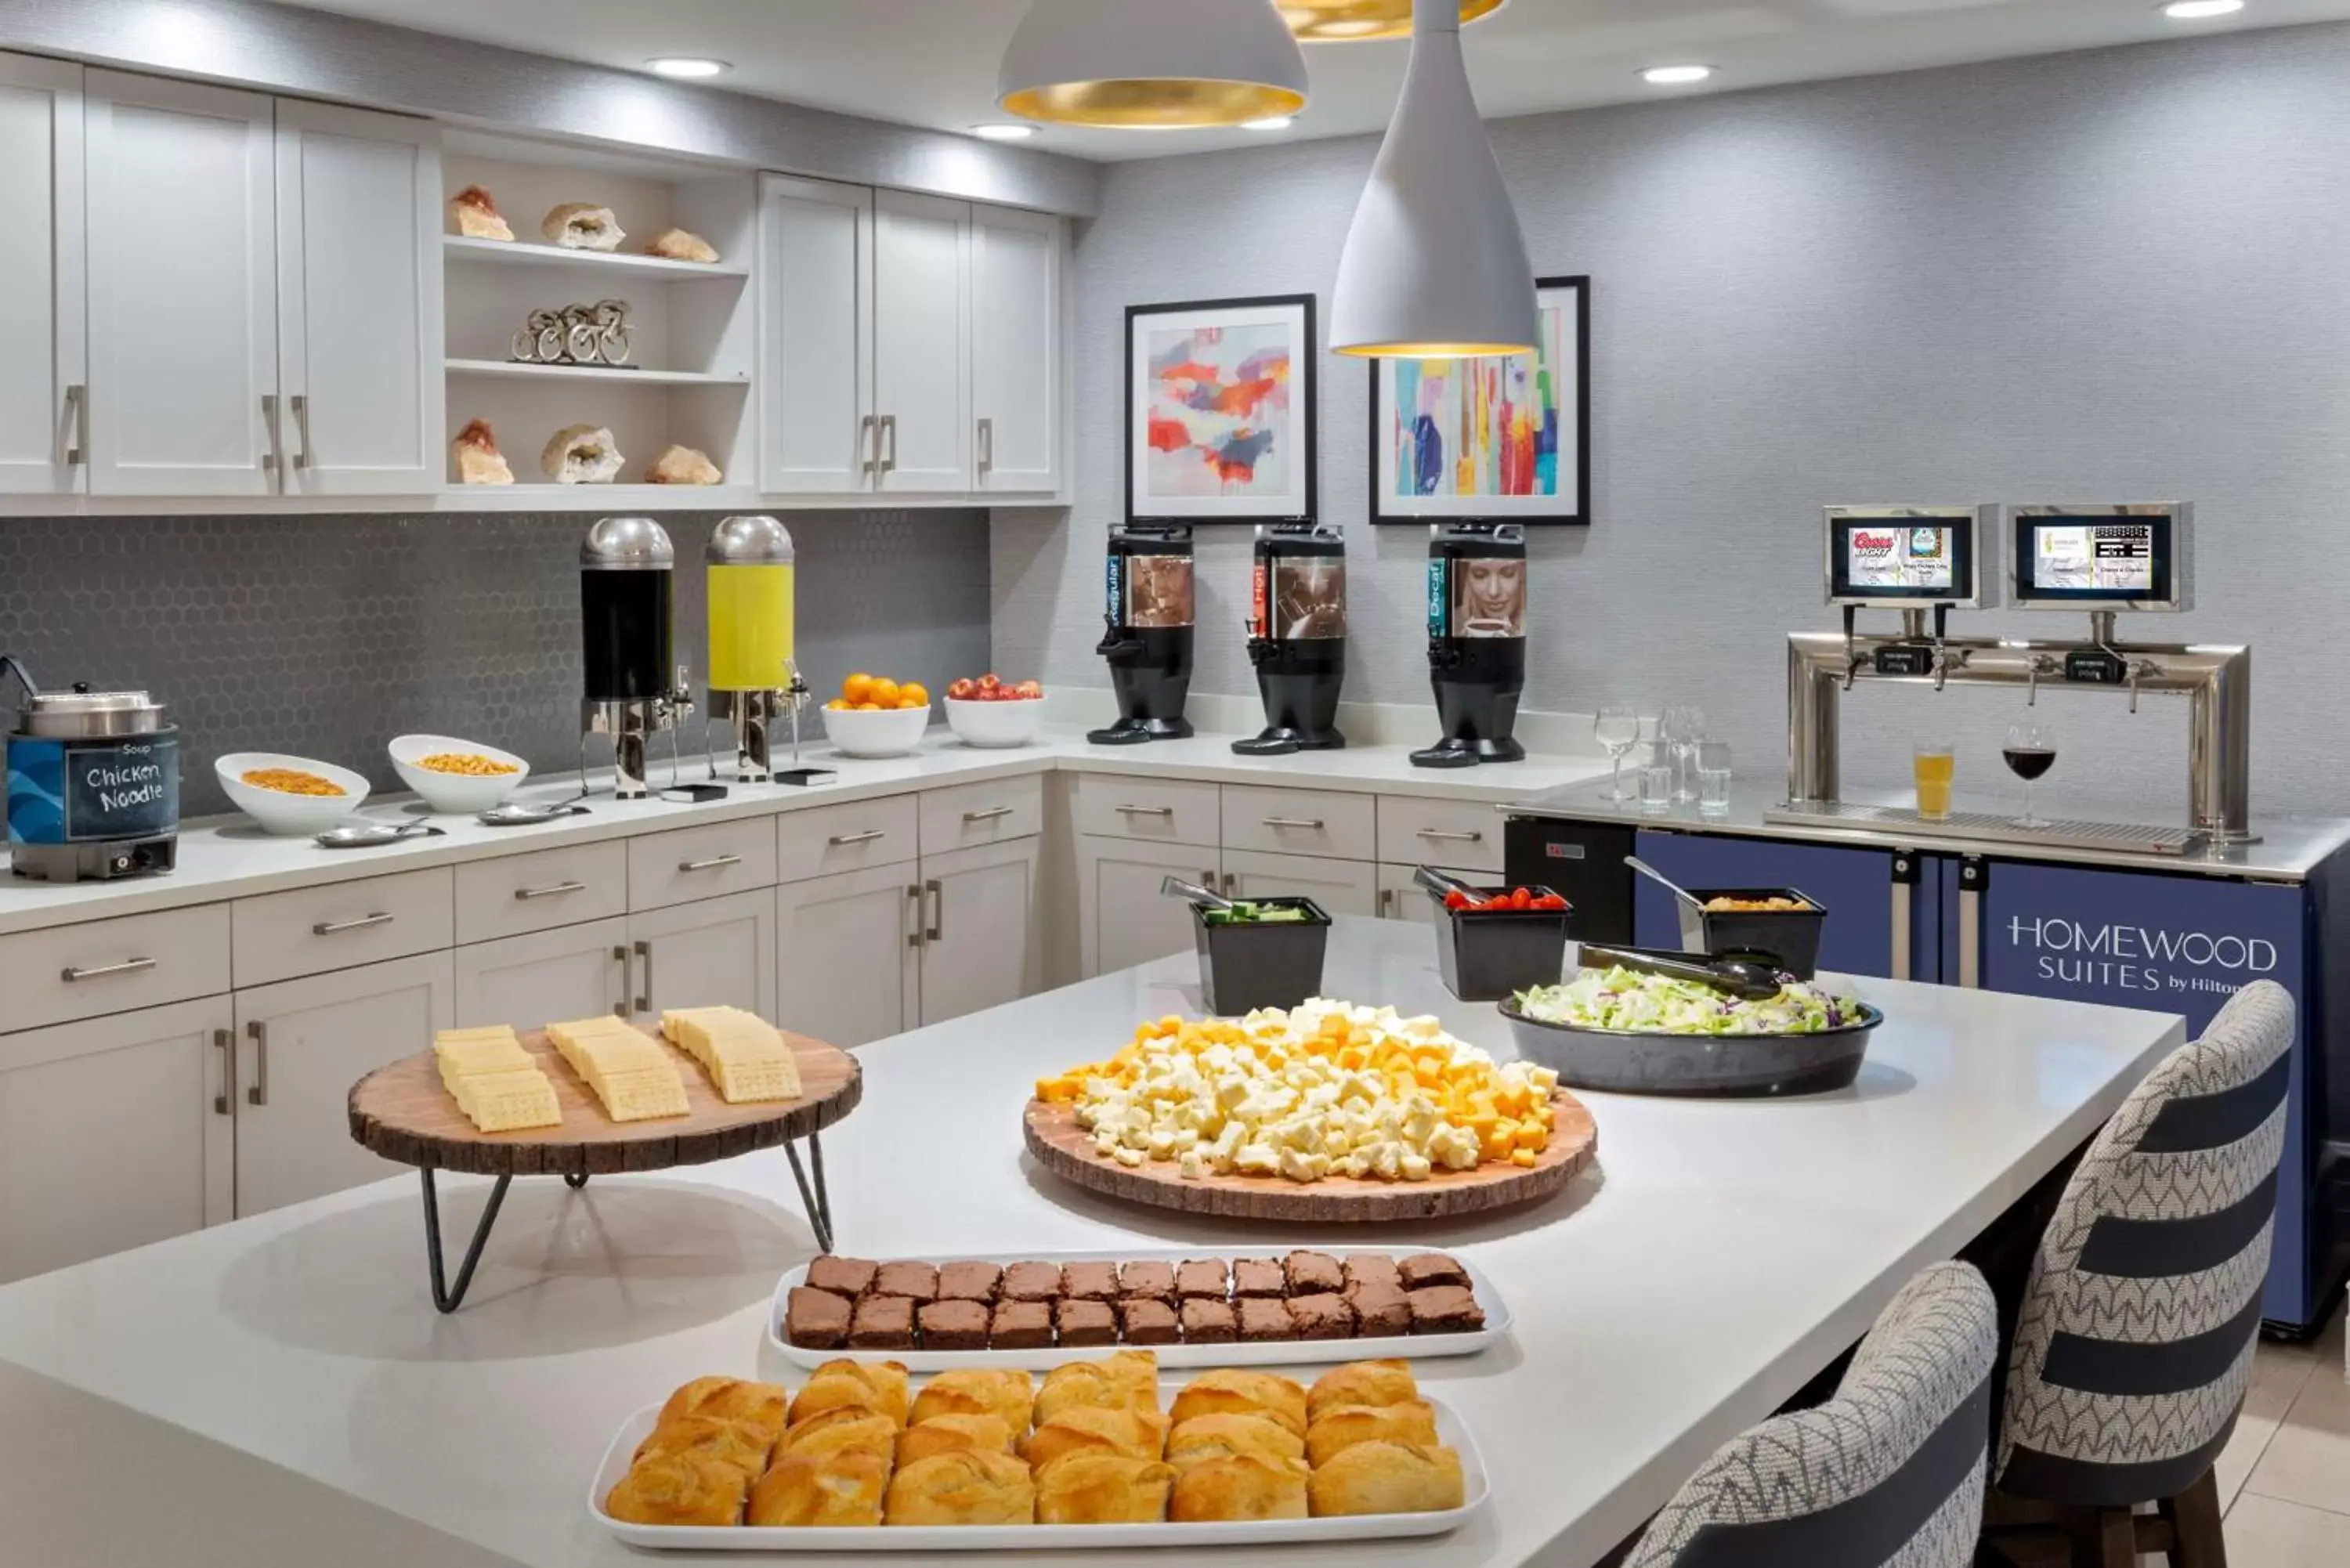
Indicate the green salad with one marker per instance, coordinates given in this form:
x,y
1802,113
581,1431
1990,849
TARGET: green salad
x,y
1627,1002
1245,914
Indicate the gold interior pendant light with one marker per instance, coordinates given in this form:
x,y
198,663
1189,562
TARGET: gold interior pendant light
x,y
1363,21
1152,65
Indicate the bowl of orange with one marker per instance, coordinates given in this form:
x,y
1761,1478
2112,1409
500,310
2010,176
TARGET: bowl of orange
x,y
875,716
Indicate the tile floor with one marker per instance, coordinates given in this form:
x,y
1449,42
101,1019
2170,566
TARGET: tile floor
x,y
2285,1477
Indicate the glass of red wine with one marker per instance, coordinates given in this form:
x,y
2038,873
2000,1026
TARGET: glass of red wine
x,y
2031,753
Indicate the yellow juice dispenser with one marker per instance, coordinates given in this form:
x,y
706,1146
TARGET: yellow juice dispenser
x,y
754,681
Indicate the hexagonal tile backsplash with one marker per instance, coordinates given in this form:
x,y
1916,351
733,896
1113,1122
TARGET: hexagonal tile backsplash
x,y
328,636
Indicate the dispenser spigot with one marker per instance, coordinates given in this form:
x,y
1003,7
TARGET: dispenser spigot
x,y
2038,665
1852,661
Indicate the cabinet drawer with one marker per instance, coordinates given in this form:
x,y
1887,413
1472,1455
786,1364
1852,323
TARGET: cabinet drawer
x,y
1300,821
313,929
1464,835
1159,811
824,839
112,966
697,863
972,815
519,893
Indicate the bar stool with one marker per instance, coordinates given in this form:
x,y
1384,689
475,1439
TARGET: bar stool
x,y
1891,1468
2134,1345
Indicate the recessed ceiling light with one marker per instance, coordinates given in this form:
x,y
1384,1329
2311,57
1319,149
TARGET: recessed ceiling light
x,y
684,65
1270,122
1003,132
2201,10
1675,76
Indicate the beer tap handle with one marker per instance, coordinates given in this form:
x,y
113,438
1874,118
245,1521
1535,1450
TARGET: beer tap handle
x,y
1851,660
1942,653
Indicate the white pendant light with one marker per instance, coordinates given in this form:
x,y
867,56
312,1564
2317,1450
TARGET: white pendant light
x,y
1435,265
1152,65
1364,21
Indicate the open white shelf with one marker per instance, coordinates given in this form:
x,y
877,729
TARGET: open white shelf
x,y
540,495
528,372
608,264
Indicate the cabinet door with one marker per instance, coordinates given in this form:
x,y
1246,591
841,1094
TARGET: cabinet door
x,y
43,366
1340,886
114,1132
846,968
300,1047
1018,390
549,977
183,289
921,341
1854,885
979,940
1122,918
720,952
359,300
815,328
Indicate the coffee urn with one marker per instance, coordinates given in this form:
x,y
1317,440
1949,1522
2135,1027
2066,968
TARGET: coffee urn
x,y
1297,637
755,688
634,691
1150,614
1476,641
93,785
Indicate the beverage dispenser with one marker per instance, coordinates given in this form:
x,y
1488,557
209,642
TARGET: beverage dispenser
x,y
1476,641
1150,614
634,691
753,681
1297,637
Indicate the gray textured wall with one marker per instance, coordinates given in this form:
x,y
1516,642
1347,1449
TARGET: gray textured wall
x,y
2108,275
328,636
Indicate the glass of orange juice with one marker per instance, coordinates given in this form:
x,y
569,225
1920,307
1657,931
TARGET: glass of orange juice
x,y
1936,769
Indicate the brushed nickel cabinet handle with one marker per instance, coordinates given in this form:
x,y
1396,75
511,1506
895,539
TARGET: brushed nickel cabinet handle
x,y
1166,811
553,890
621,957
259,1094
889,430
914,897
715,863
993,814
986,448
1439,833
844,840
645,994
301,402
336,928
1310,825
938,892
128,966
275,433
868,443
1386,903
222,1102
77,411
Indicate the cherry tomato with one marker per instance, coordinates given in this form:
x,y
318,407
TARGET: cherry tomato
x,y
1456,899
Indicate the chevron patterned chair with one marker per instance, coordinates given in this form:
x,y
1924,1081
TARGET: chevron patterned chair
x,y
1887,1474
2134,1345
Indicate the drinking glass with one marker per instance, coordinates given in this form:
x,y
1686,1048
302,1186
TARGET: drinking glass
x,y
2031,753
1617,729
1682,728
1656,779
1713,778
1936,769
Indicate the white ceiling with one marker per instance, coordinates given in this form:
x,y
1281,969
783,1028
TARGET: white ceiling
x,y
932,62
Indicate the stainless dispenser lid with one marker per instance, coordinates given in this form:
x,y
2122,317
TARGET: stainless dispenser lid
x,y
749,541
84,714
627,545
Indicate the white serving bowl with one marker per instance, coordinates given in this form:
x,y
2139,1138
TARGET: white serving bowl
x,y
455,794
886,733
993,724
291,815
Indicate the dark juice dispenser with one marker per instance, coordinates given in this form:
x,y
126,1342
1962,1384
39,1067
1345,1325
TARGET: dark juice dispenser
x,y
1297,637
635,691
1150,613
1476,641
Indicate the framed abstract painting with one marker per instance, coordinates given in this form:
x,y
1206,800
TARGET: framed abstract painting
x,y
1221,410
1500,441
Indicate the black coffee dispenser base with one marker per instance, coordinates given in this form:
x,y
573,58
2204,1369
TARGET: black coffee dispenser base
x,y
1280,740
1142,732
1468,753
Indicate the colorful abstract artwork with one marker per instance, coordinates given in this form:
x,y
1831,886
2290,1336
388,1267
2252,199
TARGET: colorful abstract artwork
x,y
1219,402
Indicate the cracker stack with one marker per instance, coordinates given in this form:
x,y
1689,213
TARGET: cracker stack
x,y
494,1081
636,1078
744,1056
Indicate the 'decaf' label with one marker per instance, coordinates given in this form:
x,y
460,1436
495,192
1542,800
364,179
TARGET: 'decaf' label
x,y
1440,600
78,791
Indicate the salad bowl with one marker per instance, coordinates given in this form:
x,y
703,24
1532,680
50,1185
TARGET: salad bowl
x,y
1806,1042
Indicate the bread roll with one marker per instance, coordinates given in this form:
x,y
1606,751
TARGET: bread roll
x,y
953,1434
1335,1431
1127,1381
736,1443
1221,1437
979,1392
879,1386
1090,1429
679,1489
837,1489
728,1399
1234,1391
841,1430
966,1488
1388,1478
1244,1487
1362,1383
1102,1489
583,226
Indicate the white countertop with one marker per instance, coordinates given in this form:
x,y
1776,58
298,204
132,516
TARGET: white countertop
x,y
1718,1257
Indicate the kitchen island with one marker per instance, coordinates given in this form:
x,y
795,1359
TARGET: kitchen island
x,y
285,1392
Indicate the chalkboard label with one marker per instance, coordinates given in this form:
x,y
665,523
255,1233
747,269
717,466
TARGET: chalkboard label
x,y
78,791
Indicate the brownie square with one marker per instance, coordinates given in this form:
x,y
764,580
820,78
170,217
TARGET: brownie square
x,y
1085,1322
915,1281
1208,1323
1432,1269
882,1322
1372,1269
1204,1279
1322,1316
1089,1281
850,1277
1031,1283
953,1325
1309,1273
1022,1326
1148,1320
1156,1280
1445,1309
969,1281
1380,1311
1261,1319
1259,1277
816,1320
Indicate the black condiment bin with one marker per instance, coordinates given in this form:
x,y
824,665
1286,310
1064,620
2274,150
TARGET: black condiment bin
x,y
1788,937
1491,955
1261,964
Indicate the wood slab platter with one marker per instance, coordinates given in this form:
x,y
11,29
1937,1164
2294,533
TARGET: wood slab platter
x,y
403,1114
1066,1150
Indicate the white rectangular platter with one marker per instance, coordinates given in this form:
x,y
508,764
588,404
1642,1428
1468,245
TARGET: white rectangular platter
x,y
1274,1353
1040,1537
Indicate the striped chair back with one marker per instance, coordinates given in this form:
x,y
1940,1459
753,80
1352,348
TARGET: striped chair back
x,y
2134,1345
1890,1471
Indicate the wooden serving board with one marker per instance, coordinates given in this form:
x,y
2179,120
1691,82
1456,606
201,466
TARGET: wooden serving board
x,y
1066,1150
403,1114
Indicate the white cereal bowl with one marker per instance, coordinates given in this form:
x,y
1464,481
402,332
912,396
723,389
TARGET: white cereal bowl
x,y
289,815
886,733
993,724
455,794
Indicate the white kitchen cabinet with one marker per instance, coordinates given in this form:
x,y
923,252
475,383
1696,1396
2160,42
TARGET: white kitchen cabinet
x,y
1018,385
44,367
815,336
183,289
1340,886
922,342
114,1132
301,1046
720,952
548,977
359,300
980,947
1122,919
847,969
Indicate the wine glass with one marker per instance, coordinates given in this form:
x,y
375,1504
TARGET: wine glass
x,y
2031,753
1618,728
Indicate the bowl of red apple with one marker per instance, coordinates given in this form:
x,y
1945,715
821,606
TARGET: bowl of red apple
x,y
990,713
